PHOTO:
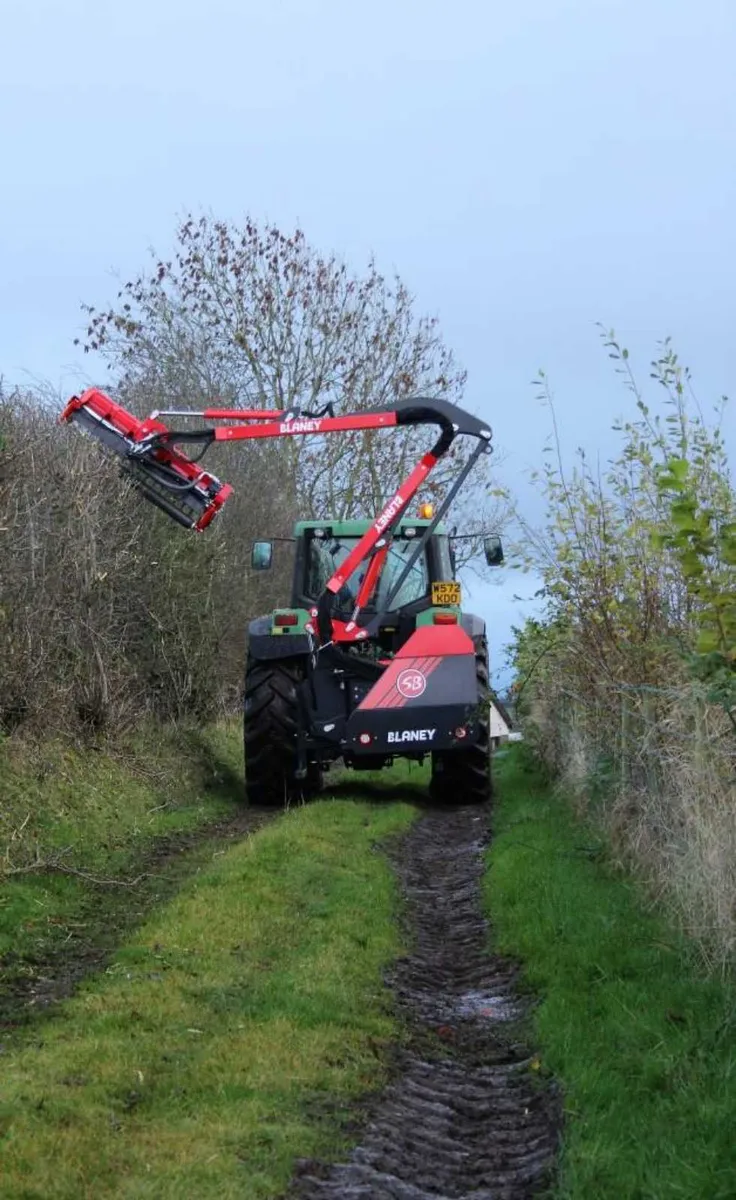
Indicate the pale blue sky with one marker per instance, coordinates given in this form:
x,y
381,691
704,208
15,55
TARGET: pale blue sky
x,y
528,169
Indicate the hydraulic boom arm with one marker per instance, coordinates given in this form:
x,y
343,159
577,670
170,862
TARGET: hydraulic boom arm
x,y
192,496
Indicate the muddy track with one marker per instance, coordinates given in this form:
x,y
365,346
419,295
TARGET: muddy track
x,y
467,1115
32,984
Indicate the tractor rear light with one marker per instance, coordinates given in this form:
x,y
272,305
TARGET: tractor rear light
x,y
286,619
444,618
365,739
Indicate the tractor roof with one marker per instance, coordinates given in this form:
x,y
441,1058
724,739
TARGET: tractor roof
x,y
358,528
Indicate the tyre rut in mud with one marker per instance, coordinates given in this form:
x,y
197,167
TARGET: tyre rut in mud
x,y
466,1116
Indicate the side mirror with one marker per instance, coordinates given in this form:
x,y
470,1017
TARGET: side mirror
x,y
493,550
261,556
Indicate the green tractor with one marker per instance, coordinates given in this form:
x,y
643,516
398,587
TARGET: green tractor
x,y
417,685
374,659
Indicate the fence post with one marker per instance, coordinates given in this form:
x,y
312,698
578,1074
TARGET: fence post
x,y
651,744
624,744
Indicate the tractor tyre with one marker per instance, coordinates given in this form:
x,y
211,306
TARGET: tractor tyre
x,y
464,776
270,734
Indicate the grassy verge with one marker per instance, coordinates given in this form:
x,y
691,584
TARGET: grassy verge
x,y
83,806
67,815
641,1042
223,1040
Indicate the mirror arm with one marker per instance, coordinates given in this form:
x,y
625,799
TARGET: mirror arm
x,y
465,537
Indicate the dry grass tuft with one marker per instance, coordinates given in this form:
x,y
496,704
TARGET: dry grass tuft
x,y
658,767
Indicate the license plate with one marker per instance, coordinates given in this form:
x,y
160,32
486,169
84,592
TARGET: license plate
x,y
446,593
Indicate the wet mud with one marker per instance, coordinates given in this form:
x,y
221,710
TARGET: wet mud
x,y
468,1113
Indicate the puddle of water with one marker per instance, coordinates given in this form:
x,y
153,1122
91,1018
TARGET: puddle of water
x,y
484,1005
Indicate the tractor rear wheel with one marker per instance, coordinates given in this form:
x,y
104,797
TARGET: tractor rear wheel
x,y
270,735
464,776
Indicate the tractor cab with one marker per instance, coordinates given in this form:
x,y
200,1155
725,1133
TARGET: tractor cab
x,y
426,593
325,547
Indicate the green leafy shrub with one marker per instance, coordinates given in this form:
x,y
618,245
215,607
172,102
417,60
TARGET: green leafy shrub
x,y
627,684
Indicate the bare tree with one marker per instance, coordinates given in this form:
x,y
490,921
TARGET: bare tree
x,y
259,318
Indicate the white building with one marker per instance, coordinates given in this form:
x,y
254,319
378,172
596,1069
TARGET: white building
x,y
501,726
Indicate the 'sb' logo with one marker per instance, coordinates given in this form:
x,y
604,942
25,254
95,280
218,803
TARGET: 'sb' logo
x,y
411,683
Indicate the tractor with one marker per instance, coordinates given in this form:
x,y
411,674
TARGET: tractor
x,y
374,658
416,686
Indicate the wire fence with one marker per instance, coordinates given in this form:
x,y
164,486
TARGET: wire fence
x,y
643,731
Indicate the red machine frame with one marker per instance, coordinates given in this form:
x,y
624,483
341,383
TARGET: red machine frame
x,y
152,448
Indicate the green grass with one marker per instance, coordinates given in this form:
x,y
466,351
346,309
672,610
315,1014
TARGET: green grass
x,y
641,1041
99,813
88,803
228,1035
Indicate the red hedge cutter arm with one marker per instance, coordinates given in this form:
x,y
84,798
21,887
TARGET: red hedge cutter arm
x,y
179,486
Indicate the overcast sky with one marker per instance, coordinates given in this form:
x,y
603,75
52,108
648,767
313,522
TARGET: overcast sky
x,y
528,168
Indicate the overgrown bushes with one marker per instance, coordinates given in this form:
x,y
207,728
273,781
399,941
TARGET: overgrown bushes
x,y
626,685
108,611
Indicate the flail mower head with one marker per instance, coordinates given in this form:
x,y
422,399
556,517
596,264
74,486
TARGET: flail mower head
x,y
169,479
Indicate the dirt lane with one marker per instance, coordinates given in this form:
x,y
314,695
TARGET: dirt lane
x,y
467,1116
